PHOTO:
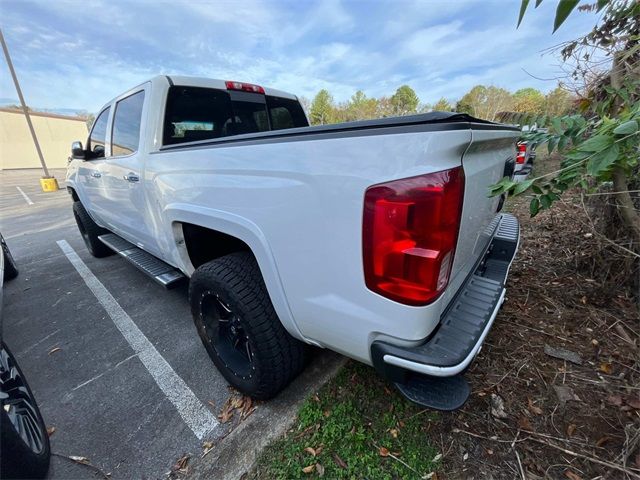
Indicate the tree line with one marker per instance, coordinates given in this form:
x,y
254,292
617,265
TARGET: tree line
x,y
486,102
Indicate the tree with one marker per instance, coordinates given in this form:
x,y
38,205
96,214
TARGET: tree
x,y
405,101
90,119
485,102
360,107
599,146
528,100
443,105
557,102
322,108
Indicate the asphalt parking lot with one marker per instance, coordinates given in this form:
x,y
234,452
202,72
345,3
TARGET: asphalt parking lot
x,y
113,359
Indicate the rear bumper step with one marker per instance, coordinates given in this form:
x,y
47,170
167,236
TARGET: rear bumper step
x,y
436,364
161,272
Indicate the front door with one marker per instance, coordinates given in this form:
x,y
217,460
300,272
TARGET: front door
x,y
92,169
127,209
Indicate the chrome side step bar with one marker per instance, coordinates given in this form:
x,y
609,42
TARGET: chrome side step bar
x,y
161,272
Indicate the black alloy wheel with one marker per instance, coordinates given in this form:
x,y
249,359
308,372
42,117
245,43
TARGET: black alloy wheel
x,y
24,442
222,328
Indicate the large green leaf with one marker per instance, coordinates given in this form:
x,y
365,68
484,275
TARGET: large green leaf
x,y
596,144
601,161
522,186
534,206
627,128
565,7
523,8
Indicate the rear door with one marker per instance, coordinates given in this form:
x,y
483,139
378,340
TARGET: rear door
x,y
91,170
124,194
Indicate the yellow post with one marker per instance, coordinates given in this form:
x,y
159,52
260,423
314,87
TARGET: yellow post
x,y
47,182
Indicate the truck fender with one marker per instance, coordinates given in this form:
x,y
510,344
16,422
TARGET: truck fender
x,y
244,230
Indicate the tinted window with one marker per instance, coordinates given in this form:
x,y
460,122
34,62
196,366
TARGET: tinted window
x,y
286,113
250,113
195,113
99,134
126,125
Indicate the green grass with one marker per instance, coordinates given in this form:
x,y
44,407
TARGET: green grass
x,y
353,417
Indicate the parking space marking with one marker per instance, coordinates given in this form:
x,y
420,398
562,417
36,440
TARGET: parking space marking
x,y
198,417
26,198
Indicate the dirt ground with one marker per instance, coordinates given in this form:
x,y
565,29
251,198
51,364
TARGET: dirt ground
x,y
556,388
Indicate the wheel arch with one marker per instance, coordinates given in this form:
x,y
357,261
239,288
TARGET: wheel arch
x,y
238,232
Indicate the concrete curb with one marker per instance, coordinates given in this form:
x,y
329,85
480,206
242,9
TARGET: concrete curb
x,y
238,452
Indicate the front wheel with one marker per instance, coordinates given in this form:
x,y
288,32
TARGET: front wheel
x,y
90,232
240,329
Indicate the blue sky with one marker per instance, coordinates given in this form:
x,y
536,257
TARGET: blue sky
x,y
79,54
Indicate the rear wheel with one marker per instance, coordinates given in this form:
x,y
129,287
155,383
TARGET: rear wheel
x,y
240,329
24,443
90,232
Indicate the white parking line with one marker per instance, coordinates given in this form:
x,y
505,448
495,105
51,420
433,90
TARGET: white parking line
x,y
26,198
193,412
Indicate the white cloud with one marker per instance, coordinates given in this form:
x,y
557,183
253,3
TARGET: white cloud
x,y
75,54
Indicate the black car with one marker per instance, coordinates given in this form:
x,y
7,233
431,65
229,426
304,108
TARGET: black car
x,y
24,443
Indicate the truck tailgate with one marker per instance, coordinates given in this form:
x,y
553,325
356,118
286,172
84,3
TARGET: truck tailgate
x,y
483,163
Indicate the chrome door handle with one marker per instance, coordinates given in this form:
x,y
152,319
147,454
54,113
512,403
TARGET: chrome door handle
x,y
96,174
131,177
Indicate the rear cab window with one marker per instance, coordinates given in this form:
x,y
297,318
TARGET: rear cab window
x,y
196,113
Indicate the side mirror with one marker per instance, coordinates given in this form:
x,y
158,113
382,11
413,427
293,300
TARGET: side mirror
x,y
77,151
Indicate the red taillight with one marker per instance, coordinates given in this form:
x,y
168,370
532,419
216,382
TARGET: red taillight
x,y
521,154
245,87
410,230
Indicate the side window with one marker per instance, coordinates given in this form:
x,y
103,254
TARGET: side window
x,y
126,125
98,134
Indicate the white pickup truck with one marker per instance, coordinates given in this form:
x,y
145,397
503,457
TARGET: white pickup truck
x,y
376,239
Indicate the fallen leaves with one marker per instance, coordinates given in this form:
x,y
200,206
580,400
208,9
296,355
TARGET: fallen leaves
x,y
51,431
182,465
309,468
206,448
384,452
606,367
533,408
563,354
565,394
524,424
320,470
571,428
82,460
236,404
341,463
572,476
497,406
54,350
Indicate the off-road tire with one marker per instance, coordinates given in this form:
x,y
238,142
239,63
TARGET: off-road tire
x,y
90,232
277,357
17,459
10,267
